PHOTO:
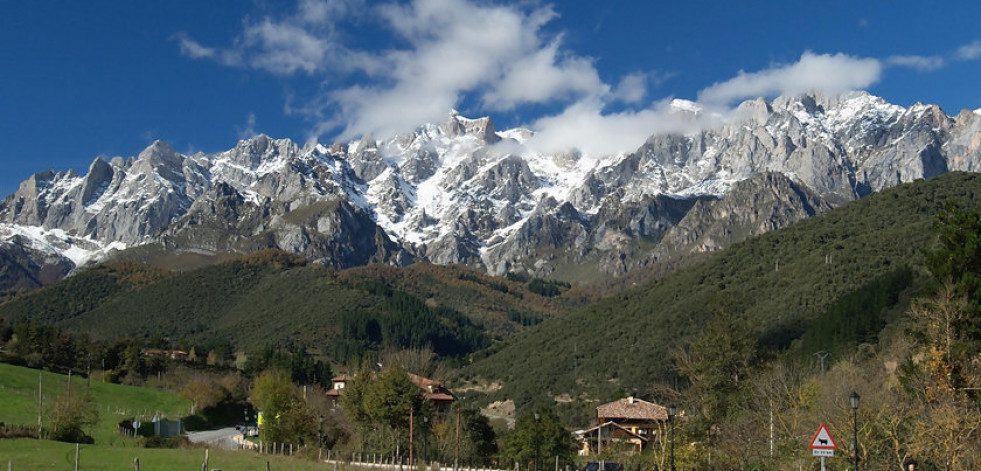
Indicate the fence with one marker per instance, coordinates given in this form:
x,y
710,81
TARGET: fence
x,y
391,462
394,462
388,462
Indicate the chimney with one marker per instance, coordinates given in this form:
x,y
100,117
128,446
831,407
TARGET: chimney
x,y
630,399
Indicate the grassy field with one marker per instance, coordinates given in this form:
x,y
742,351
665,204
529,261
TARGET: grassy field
x,y
18,400
29,454
18,406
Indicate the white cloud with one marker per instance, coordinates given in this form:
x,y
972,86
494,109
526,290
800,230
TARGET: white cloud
x,y
497,54
586,128
249,130
542,76
193,49
922,63
285,48
325,12
302,42
437,54
825,73
969,51
632,88
444,51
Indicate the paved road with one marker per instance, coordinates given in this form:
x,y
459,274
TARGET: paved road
x,y
225,439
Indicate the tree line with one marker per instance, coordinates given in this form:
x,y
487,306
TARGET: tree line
x,y
917,377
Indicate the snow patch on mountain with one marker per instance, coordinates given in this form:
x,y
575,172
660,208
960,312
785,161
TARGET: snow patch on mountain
x,y
462,187
680,105
80,250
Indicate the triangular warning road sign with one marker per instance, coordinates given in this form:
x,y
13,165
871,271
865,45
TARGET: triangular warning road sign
x,y
822,440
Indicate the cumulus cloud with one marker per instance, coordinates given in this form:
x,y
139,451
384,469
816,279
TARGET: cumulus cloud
x,y
284,48
541,76
249,129
444,51
497,54
921,63
632,88
429,56
302,42
586,128
324,12
193,49
969,52
824,73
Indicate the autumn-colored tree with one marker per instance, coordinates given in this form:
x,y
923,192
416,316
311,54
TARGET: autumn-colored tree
x,y
477,439
286,418
943,374
204,392
72,414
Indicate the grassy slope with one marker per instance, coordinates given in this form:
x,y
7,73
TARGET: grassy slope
x,y
18,400
42,454
777,282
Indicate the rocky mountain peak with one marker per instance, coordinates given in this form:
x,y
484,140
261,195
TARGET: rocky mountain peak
x,y
446,194
481,128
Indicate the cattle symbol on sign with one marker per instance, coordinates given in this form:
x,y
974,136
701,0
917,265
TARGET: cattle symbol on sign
x,y
822,443
822,440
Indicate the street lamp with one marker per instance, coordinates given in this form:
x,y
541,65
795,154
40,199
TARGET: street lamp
x,y
672,410
425,441
320,433
537,417
853,398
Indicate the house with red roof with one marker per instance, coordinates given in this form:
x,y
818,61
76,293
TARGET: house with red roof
x,y
628,425
337,385
433,391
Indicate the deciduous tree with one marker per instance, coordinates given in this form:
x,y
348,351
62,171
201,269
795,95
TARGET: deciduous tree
x,y
552,439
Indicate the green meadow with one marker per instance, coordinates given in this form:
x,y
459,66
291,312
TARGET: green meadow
x,y
115,402
18,406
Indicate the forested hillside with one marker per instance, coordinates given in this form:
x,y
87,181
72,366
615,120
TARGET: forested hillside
x,y
829,283
271,298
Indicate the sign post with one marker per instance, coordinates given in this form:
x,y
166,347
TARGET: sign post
x,y
822,444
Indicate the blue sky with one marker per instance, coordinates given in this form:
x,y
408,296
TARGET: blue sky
x,y
106,78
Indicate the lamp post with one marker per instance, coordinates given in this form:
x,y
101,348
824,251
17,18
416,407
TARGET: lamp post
x,y
537,417
853,398
672,410
320,432
425,441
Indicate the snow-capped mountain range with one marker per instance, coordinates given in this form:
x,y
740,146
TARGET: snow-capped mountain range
x,y
462,192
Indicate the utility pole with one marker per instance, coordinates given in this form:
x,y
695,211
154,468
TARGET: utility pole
x,y
40,401
456,458
411,466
